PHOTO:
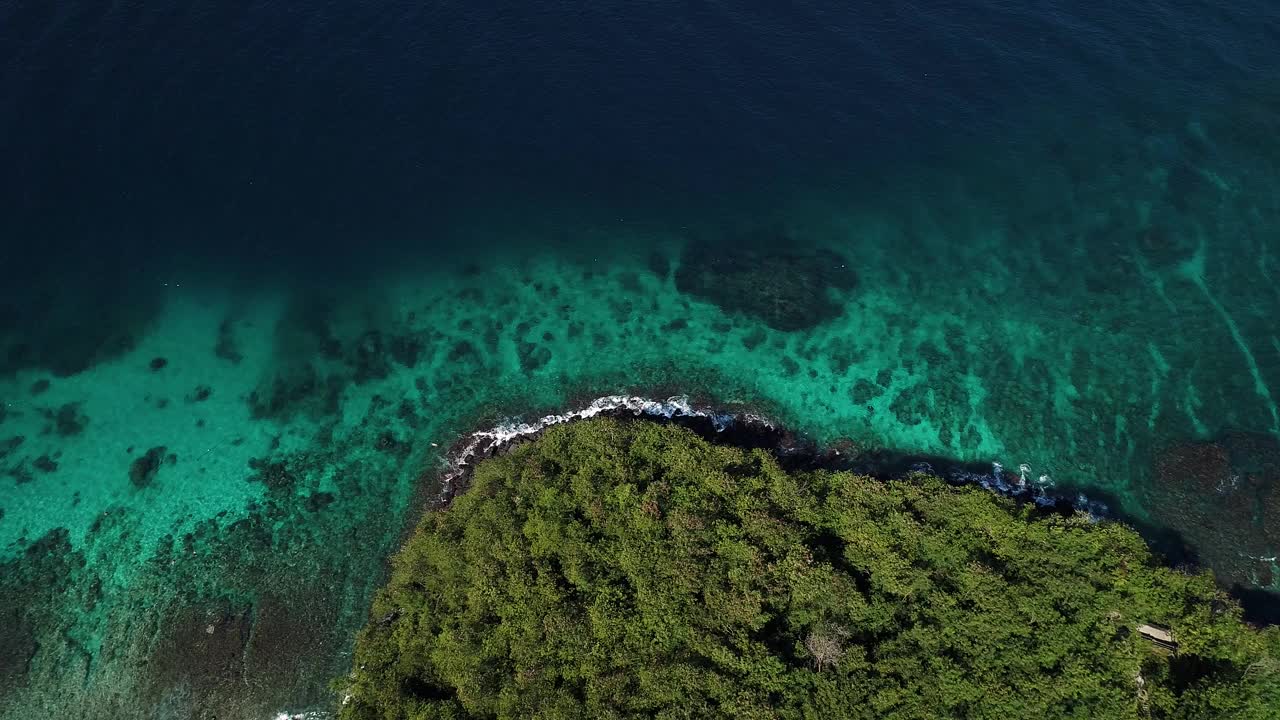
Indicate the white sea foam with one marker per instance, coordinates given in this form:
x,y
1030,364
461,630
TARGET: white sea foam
x,y
1038,490
504,433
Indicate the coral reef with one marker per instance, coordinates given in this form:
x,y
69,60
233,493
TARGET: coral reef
x,y
767,277
1224,499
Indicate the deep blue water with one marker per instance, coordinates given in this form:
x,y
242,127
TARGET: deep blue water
x,y
268,130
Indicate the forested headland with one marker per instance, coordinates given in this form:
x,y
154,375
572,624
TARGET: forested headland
x,y
625,568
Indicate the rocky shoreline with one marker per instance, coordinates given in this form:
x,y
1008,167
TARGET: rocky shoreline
x,y
754,430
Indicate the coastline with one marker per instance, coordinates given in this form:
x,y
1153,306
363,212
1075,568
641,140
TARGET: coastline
x,y
751,429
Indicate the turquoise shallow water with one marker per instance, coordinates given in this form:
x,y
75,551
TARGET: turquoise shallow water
x,y
243,323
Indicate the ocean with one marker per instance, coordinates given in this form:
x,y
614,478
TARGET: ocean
x,y
265,263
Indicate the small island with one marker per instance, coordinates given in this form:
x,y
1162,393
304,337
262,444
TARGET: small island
x,y
618,568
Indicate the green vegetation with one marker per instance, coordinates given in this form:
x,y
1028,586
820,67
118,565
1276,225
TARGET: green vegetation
x,y
628,569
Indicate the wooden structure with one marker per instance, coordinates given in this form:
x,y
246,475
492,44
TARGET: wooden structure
x,y
1158,636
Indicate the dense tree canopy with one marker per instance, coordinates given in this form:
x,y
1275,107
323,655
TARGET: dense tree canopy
x,y
629,569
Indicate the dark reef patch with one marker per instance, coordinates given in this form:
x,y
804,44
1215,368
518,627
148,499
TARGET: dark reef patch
x,y
313,364
20,474
533,356
10,445
369,358
1223,497
31,587
303,342
275,475
200,650
864,392
790,367
67,420
677,324
405,349
757,274
318,501
944,434
463,350
143,470
911,406
753,339
225,346
296,389
46,327
389,443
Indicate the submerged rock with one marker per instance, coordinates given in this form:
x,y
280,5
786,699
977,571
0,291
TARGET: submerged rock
x,y
767,278
143,470
1223,498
